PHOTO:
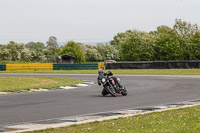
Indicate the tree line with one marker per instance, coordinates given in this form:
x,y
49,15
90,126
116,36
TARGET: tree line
x,y
181,42
38,52
30,52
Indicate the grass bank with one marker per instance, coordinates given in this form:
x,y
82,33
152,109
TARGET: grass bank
x,y
185,120
26,83
122,71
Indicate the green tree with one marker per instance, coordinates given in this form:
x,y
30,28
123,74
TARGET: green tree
x,y
163,29
185,32
28,55
37,46
52,42
112,53
137,46
74,49
91,53
168,46
102,50
185,29
4,53
16,52
117,38
13,48
50,54
194,47
108,52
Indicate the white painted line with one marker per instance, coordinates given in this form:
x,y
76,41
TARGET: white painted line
x,y
82,85
128,111
34,90
3,93
80,118
43,89
22,126
67,87
161,107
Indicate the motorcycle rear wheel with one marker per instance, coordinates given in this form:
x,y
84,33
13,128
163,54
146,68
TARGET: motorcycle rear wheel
x,y
124,91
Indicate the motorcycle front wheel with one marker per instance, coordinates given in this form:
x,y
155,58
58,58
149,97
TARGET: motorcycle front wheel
x,y
111,90
104,92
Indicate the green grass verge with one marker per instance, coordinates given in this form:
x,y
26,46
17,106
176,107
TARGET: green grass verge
x,y
25,83
185,120
122,71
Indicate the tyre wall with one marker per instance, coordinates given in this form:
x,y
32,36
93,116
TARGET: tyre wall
x,y
154,65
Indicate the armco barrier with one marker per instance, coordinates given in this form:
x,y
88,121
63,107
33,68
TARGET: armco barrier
x,y
28,67
75,66
2,67
154,65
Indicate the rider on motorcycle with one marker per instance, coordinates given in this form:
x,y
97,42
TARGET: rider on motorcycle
x,y
109,73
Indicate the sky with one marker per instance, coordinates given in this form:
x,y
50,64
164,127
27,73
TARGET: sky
x,y
23,21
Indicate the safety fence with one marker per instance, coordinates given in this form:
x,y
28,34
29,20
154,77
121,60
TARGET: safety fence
x,y
2,67
38,67
28,67
93,66
76,66
154,65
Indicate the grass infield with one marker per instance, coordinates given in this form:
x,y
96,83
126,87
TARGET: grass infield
x,y
25,83
185,120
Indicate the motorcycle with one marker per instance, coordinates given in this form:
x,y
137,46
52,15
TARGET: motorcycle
x,y
111,86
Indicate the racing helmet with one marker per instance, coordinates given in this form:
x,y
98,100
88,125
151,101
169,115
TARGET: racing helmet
x,y
101,71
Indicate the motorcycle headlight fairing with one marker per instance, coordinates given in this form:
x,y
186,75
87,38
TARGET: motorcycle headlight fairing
x,y
103,80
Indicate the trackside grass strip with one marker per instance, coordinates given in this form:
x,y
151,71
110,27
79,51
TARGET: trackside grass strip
x,y
25,83
122,71
185,120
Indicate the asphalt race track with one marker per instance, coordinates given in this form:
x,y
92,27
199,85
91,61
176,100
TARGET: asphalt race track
x,y
143,91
